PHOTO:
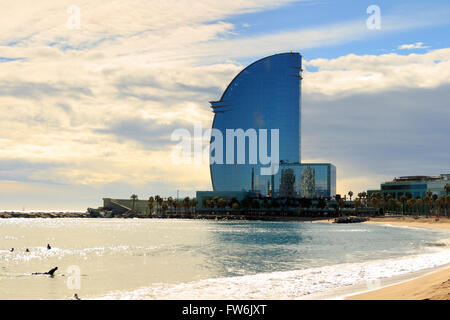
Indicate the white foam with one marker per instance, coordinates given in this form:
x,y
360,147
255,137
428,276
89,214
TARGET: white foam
x,y
296,284
42,253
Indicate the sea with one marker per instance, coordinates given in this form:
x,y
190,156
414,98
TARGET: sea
x,y
207,259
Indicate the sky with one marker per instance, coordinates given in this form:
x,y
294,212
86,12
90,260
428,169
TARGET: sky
x,y
88,101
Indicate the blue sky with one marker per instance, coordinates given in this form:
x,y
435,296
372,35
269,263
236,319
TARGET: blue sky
x,y
88,111
308,14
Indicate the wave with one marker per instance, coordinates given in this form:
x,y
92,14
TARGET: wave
x,y
297,284
41,253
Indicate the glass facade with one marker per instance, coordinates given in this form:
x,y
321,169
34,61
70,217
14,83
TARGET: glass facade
x,y
414,186
311,180
265,95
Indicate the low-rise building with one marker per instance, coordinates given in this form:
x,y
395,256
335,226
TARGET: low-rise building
x,y
414,186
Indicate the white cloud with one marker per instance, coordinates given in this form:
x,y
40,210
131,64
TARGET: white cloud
x,y
417,45
351,74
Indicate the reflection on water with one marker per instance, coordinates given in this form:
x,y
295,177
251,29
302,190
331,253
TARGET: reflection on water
x,y
122,255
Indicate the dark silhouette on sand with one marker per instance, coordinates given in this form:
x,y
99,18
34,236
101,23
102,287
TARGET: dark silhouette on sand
x,y
11,250
48,247
75,297
27,250
51,272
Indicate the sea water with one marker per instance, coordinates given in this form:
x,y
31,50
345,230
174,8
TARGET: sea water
x,y
203,259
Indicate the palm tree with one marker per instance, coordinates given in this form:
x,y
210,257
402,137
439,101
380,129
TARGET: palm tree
x,y
215,201
398,205
365,196
194,203
440,202
158,200
447,202
151,202
375,202
170,203
403,200
419,204
185,203
164,207
350,194
133,199
337,198
429,202
447,189
411,203
221,203
391,203
357,205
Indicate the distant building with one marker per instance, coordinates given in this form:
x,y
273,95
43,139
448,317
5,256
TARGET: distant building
x,y
310,180
414,186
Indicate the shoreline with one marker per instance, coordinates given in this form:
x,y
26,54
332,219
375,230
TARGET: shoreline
x,y
56,214
394,221
41,214
421,222
434,284
431,285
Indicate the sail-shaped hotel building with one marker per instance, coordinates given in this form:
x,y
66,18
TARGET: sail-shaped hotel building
x,y
266,95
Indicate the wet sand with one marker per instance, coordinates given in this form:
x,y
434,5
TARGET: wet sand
x,y
433,286
442,223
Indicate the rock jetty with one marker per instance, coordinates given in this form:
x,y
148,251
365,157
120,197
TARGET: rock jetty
x,y
350,219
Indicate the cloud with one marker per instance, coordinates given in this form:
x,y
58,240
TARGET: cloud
x,y
352,73
46,22
151,134
36,90
378,135
417,45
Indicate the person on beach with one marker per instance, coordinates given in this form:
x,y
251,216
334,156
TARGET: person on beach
x,y
11,250
48,246
27,250
51,272
75,297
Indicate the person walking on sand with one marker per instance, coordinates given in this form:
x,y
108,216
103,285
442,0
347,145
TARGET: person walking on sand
x,y
48,246
11,250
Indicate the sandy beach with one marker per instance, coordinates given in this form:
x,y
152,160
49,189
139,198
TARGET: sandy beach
x,y
432,286
442,223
